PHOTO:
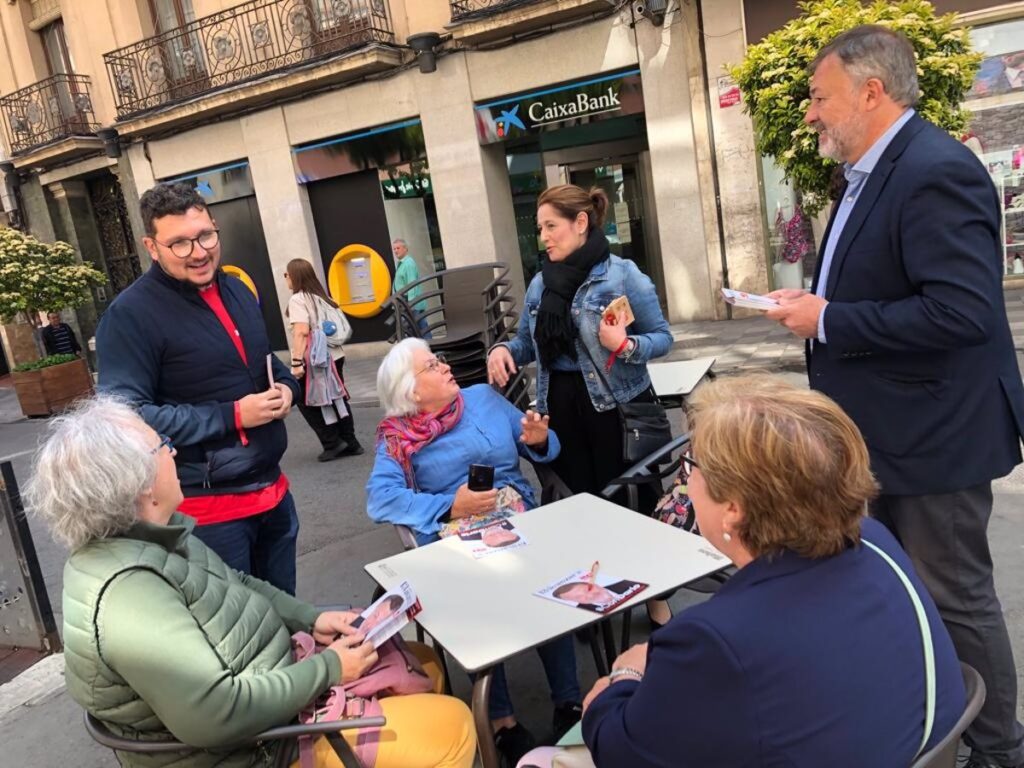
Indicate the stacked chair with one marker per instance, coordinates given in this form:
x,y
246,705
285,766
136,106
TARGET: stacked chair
x,y
466,311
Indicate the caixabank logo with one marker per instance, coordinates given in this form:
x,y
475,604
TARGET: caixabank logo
x,y
508,119
581,105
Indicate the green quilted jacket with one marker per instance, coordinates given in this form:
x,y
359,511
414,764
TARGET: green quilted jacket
x,y
163,640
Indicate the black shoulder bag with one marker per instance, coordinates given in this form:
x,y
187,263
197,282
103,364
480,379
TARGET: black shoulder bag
x,y
645,426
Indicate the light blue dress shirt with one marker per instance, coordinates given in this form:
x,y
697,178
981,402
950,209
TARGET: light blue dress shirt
x,y
856,177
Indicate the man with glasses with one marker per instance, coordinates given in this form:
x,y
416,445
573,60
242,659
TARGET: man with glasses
x,y
187,345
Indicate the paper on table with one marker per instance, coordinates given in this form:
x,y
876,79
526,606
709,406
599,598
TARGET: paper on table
x,y
500,536
748,300
599,597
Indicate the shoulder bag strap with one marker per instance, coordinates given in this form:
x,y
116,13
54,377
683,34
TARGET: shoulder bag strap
x,y
926,641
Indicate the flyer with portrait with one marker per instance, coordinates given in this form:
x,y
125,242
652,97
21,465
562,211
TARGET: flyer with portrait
x,y
388,615
499,536
600,596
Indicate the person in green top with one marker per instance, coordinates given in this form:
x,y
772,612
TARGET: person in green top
x,y
407,272
163,640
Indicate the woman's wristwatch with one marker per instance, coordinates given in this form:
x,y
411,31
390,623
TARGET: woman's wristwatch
x,y
630,346
625,672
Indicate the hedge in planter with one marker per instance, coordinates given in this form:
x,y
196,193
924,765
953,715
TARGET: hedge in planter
x,y
47,386
776,86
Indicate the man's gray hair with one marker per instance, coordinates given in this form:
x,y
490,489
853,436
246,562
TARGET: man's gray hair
x,y
871,51
89,473
396,378
400,240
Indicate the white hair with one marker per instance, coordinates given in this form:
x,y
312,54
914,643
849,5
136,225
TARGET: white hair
x,y
396,378
89,473
400,240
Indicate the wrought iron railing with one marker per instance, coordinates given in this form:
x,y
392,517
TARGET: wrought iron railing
x,y
245,42
463,10
52,109
41,8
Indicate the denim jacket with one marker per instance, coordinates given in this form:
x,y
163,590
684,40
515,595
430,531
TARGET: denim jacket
x,y
606,282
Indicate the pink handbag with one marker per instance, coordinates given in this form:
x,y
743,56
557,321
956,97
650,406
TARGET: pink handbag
x,y
397,672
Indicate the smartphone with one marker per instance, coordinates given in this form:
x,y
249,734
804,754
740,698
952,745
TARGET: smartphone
x,y
481,477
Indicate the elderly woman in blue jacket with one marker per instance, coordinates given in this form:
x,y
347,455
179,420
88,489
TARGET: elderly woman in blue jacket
x,y
432,431
813,654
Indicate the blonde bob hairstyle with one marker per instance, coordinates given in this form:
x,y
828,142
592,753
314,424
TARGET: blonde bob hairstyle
x,y
96,461
790,458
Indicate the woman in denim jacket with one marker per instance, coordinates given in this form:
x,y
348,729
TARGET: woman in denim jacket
x,y
563,327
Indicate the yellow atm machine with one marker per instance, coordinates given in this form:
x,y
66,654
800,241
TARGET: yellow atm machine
x,y
359,280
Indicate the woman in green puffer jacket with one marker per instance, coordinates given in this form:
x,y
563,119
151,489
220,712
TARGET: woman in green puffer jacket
x,y
163,640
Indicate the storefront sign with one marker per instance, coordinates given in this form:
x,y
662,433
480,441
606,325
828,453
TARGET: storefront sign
x,y
728,92
577,103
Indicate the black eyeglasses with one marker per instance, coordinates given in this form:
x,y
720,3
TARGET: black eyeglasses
x,y
183,248
688,461
433,365
164,440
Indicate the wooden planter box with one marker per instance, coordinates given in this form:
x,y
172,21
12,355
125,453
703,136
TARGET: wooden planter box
x,y
50,390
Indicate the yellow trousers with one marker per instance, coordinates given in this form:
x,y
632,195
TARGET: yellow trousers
x,y
425,730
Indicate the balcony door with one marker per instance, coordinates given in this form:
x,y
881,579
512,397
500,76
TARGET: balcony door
x,y
181,51
65,101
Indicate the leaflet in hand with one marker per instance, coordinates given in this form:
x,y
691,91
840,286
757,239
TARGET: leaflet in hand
x,y
387,616
748,300
601,596
499,536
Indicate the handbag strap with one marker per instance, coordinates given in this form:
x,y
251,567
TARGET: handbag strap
x,y
926,641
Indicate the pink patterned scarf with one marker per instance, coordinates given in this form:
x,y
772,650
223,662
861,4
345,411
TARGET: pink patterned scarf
x,y
405,435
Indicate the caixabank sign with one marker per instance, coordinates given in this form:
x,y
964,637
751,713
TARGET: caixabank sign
x,y
597,98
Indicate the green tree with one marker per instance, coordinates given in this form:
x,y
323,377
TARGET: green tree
x,y
774,80
39,277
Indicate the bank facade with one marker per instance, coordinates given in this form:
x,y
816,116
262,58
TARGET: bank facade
x,y
312,132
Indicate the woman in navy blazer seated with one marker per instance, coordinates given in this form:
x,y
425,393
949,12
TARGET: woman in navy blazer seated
x,y
811,655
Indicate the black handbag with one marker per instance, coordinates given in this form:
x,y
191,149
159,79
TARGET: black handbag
x,y
645,426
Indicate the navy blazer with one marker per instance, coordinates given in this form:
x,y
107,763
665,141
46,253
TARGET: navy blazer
x,y
919,350
794,663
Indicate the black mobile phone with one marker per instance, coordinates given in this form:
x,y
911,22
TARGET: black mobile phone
x,y
481,477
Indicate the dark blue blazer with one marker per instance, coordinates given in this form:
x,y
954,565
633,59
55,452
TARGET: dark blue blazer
x,y
162,347
794,663
919,351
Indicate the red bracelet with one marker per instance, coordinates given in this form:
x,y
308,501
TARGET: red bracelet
x,y
616,353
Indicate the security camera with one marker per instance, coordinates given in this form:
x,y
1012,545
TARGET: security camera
x,y
652,10
424,44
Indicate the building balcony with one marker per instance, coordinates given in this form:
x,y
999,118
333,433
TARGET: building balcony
x,y
252,41
485,20
53,109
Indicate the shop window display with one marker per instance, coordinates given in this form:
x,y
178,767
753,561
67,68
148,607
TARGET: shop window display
x,y
996,130
791,245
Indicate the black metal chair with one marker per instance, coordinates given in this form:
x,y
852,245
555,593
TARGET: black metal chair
x,y
655,471
330,729
943,754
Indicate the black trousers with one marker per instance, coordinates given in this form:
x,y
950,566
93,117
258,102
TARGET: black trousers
x,y
946,537
329,435
591,440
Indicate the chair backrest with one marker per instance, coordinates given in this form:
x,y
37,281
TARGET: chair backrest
x,y
475,300
943,754
652,470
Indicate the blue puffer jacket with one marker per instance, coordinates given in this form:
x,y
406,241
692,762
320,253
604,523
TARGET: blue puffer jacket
x,y
162,347
606,282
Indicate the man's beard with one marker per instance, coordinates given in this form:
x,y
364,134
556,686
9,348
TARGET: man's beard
x,y
840,138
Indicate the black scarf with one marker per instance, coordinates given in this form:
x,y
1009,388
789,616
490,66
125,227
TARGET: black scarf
x,y
556,333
